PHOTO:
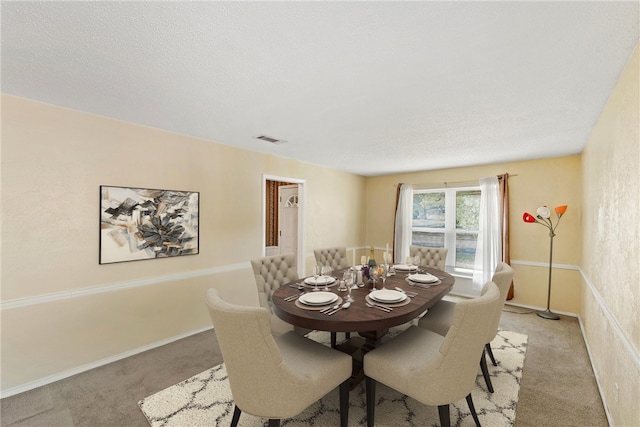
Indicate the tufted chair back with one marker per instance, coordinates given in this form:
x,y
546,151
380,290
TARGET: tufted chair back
x,y
272,272
335,258
430,368
430,257
455,369
271,376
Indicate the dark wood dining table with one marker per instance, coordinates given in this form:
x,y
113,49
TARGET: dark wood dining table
x,y
370,323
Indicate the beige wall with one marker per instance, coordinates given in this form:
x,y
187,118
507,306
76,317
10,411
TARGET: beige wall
x,y
61,310
549,182
611,248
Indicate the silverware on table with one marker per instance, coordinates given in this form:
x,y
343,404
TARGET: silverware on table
x,y
407,293
327,309
345,305
418,285
294,297
381,307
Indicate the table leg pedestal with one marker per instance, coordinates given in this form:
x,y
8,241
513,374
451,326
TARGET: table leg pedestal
x,y
357,347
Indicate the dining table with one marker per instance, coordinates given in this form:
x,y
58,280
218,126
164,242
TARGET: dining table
x,y
367,317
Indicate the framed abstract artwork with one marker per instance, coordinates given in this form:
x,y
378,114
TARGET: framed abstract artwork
x,y
144,223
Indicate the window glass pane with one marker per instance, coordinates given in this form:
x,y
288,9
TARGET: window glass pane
x,y
467,210
466,244
428,210
432,240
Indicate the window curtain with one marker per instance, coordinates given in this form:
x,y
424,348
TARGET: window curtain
x,y
402,230
503,183
489,247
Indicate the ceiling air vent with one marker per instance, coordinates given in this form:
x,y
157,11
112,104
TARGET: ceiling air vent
x,y
270,139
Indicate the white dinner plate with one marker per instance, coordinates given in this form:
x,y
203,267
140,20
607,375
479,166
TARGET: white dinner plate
x,y
318,298
423,278
405,267
321,280
387,295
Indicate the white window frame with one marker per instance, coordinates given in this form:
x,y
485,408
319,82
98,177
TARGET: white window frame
x,y
450,232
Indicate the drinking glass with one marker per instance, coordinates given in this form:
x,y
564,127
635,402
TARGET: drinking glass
x,y
350,277
387,258
326,273
384,269
373,274
409,262
317,270
416,261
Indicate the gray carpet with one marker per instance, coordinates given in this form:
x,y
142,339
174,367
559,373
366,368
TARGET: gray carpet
x,y
558,387
206,400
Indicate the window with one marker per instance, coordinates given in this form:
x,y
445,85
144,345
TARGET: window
x,y
448,218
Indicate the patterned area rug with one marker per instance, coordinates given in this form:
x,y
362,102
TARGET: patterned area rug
x,y
205,399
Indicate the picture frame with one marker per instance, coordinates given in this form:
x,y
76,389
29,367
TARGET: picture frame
x,y
146,223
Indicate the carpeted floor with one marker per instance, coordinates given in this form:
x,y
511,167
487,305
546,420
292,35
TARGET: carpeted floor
x,y
205,399
558,387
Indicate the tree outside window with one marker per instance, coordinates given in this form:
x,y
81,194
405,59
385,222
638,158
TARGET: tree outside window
x,y
448,218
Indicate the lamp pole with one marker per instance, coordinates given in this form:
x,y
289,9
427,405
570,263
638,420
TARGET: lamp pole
x,y
548,314
543,217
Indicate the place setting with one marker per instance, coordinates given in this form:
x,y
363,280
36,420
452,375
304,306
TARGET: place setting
x,y
410,266
321,278
405,268
423,280
319,301
386,299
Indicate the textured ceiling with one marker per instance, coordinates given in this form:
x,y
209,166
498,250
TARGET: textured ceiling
x,y
366,87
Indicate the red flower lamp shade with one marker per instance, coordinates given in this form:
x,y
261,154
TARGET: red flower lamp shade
x,y
527,217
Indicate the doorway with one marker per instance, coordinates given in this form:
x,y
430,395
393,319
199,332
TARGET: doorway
x,y
283,217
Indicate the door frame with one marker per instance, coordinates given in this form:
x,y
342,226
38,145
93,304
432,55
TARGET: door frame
x,y
301,215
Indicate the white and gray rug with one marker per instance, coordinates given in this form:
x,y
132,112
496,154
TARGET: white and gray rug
x,y
205,399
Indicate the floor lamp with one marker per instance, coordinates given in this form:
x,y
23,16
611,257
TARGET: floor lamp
x,y
543,217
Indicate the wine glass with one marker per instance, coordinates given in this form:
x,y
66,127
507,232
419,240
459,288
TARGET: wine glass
x,y
383,269
349,279
387,258
317,270
326,272
409,263
373,274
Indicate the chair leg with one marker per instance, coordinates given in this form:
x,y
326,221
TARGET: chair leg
x,y
445,419
472,408
236,416
333,340
371,400
485,372
344,403
487,347
274,422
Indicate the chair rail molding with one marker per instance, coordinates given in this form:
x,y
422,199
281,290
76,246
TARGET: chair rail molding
x,y
633,351
113,287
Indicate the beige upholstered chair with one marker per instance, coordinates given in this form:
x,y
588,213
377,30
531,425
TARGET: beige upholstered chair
x,y
439,317
430,368
430,257
335,258
270,273
274,377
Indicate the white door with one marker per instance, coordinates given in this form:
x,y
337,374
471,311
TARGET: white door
x,y
288,218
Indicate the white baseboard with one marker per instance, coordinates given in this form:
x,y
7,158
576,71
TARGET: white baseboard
x,y
595,373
